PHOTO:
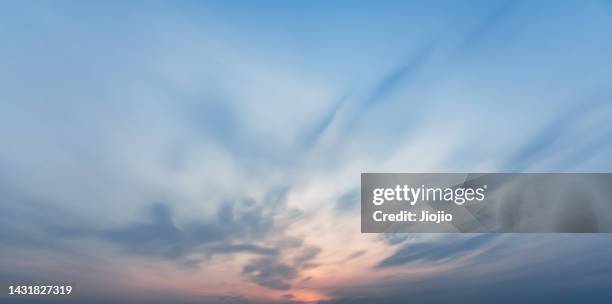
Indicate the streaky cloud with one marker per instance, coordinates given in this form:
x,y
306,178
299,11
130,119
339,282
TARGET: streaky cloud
x,y
436,251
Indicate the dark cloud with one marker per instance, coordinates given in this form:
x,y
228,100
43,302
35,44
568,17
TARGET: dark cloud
x,y
277,196
288,296
235,229
355,255
271,273
234,248
306,254
527,269
275,274
160,236
289,242
435,251
244,227
26,222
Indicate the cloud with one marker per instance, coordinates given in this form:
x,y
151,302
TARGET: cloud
x,y
237,248
271,273
243,228
436,251
557,133
306,254
525,268
162,237
275,274
355,255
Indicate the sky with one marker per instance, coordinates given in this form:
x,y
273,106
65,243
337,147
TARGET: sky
x,y
211,151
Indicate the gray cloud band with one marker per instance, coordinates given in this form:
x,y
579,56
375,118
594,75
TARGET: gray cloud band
x,y
496,202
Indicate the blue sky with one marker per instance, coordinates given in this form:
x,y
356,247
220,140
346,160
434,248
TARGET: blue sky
x,y
210,151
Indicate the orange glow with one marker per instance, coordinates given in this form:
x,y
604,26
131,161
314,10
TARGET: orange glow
x,y
308,296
